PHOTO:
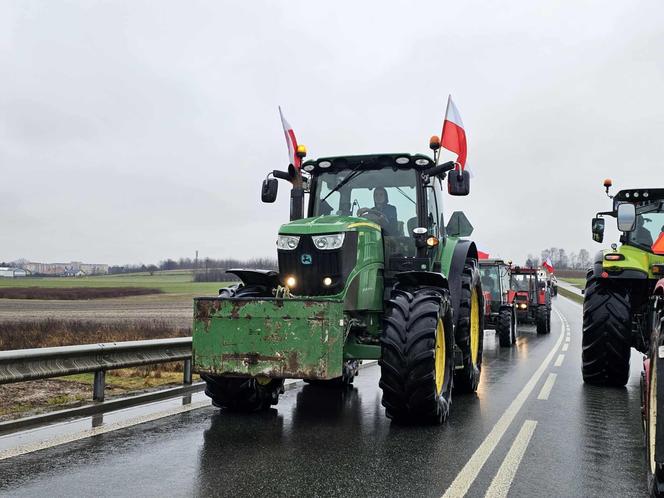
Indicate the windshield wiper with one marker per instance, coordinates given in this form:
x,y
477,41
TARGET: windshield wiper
x,y
353,174
405,195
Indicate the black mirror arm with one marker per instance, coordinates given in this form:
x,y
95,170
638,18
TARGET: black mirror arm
x,y
282,175
440,169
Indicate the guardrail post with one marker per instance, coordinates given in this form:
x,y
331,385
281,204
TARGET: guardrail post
x,y
187,371
99,385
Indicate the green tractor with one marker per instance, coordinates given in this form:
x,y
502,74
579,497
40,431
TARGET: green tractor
x,y
371,273
617,296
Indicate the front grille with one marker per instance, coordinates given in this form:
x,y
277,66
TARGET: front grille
x,y
336,264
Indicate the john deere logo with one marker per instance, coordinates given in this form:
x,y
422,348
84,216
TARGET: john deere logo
x,y
305,259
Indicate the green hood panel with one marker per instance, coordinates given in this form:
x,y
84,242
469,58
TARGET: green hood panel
x,y
328,224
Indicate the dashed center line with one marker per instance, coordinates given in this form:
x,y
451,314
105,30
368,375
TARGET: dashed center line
x,y
500,485
473,466
559,360
548,385
565,346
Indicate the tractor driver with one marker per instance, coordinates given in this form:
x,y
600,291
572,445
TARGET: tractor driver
x,y
641,233
384,213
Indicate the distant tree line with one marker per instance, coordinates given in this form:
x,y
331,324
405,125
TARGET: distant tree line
x,y
205,270
561,259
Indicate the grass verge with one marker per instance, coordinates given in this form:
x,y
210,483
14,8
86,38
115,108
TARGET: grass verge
x,y
570,295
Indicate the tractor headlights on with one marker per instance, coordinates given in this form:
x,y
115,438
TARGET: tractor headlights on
x,y
328,242
327,281
287,242
290,282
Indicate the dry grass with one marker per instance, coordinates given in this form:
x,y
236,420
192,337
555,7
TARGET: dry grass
x,y
57,332
74,293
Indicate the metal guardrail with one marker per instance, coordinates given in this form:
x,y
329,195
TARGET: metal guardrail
x,y
43,363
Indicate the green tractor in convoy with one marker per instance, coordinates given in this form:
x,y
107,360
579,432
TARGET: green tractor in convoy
x,y
370,273
617,308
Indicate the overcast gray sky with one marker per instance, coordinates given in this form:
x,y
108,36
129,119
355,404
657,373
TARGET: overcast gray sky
x,y
136,131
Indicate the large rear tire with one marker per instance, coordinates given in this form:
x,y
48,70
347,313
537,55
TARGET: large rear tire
x,y
417,360
505,328
242,394
606,333
655,469
469,330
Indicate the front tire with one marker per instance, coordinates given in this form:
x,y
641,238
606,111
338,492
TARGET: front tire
x,y
606,333
505,328
543,319
417,360
242,394
351,369
469,335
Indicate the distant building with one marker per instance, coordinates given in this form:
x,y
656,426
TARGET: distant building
x,y
12,272
66,269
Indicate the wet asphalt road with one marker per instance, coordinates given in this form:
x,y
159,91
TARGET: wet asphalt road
x,y
585,441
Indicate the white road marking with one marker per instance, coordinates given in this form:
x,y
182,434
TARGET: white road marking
x,y
548,385
559,360
95,431
565,346
470,471
501,483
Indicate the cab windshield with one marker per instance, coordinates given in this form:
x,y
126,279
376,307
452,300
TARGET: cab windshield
x,y
384,196
649,225
491,281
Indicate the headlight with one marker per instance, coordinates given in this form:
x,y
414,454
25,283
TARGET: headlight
x,y
328,242
287,242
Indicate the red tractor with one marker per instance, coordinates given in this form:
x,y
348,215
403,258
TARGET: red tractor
x,y
652,402
531,298
498,309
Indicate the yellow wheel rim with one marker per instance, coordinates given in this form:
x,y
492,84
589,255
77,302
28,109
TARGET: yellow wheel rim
x,y
439,359
474,326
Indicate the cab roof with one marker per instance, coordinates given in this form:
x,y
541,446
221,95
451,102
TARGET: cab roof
x,y
369,161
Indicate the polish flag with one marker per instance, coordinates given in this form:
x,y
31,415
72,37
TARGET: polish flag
x,y
548,265
291,141
453,137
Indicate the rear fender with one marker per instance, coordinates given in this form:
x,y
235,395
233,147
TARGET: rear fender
x,y
463,250
422,278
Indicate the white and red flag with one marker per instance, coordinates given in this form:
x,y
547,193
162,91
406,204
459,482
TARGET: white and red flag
x,y
291,141
548,265
453,137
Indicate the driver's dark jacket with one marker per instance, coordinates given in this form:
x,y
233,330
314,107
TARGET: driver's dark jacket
x,y
390,212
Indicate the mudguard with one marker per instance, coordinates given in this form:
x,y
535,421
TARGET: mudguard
x,y
427,278
464,249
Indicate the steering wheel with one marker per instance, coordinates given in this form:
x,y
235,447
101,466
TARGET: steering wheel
x,y
374,215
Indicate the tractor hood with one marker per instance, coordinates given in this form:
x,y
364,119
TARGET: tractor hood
x,y
328,224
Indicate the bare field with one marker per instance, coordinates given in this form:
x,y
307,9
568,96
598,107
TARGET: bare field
x,y
172,308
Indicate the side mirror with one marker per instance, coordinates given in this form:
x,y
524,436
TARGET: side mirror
x,y
269,190
626,217
459,226
598,229
458,182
